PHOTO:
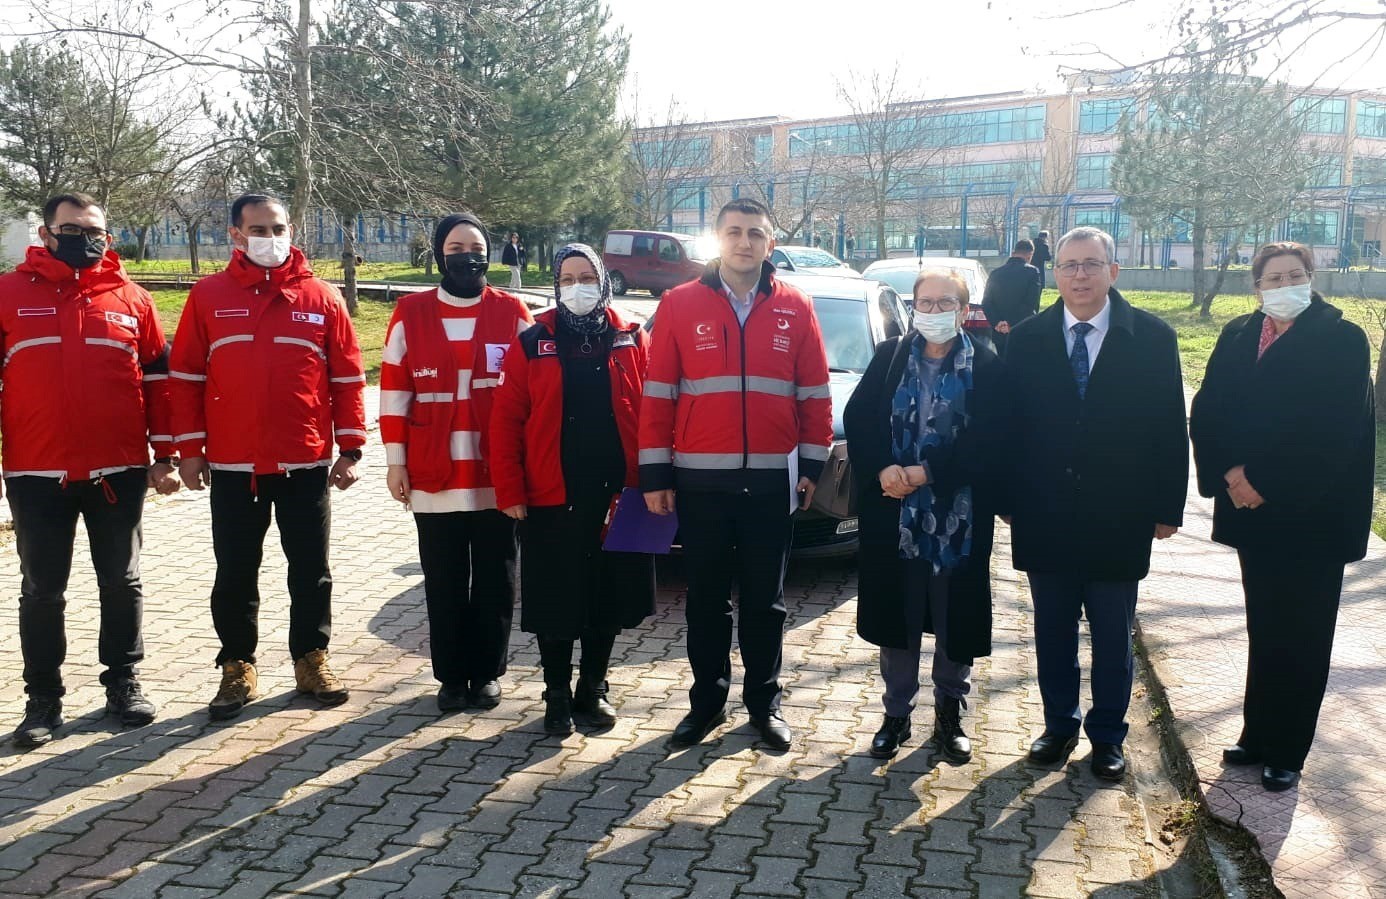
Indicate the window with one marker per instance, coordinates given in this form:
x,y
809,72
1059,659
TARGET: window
x,y
1371,119
1102,116
1326,171
1101,217
1022,175
1369,170
1094,172
988,126
1323,115
667,251
846,333
1315,229
677,153
763,146
643,246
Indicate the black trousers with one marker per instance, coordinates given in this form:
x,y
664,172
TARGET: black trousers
x,y
469,565
45,524
241,510
1291,613
556,657
743,539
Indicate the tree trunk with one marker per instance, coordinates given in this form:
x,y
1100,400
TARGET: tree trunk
x,y
349,264
193,230
141,242
880,232
1205,309
303,122
1199,233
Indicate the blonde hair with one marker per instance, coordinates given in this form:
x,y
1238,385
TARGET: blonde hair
x,y
951,275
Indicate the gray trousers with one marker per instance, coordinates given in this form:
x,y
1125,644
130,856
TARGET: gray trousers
x,y
900,667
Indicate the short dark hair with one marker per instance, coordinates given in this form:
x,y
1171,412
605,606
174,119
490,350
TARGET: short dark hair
x,y
1044,234
1023,246
76,198
252,199
745,206
1281,248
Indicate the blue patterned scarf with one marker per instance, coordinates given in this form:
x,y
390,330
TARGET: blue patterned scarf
x,y
924,415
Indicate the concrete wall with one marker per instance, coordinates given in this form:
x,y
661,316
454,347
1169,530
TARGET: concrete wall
x,y
1329,283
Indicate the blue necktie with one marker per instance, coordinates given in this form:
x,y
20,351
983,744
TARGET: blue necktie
x,y
1078,359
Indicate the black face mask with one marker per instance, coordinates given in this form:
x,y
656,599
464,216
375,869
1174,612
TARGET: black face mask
x,y
78,250
466,274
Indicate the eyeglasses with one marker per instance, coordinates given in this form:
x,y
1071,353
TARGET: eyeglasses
x,y
942,304
78,231
1089,267
585,278
1298,276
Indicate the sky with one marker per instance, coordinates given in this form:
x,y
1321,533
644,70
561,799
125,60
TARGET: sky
x,y
725,59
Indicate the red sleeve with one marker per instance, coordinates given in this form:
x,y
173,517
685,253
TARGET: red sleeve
x,y
154,357
346,378
660,399
396,391
187,382
509,412
815,401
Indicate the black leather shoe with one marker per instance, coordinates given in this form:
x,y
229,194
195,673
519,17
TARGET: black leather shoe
x,y
558,712
893,732
484,695
42,716
1278,779
127,701
590,705
774,730
1240,755
452,698
1108,761
948,731
1050,749
695,726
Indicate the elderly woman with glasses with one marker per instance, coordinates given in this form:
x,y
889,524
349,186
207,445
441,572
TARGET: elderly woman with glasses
x,y
923,427
1283,433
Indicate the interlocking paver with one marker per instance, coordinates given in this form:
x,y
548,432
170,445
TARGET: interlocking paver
x,y
382,797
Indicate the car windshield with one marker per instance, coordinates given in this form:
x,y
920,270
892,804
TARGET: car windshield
x,y
693,251
901,280
805,257
846,333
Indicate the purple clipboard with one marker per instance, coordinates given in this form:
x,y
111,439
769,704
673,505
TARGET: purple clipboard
x,y
635,529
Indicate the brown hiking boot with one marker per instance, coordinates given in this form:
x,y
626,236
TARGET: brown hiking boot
x,y
314,676
238,686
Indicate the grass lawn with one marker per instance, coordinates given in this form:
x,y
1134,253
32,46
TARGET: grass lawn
x,y
331,269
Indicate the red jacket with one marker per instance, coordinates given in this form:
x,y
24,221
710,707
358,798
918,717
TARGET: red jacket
x,y
85,370
266,372
527,416
726,403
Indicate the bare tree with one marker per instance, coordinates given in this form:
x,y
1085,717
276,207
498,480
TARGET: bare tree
x,y
663,160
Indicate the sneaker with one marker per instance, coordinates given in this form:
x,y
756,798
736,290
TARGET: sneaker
x,y
127,701
238,686
485,695
313,675
42,716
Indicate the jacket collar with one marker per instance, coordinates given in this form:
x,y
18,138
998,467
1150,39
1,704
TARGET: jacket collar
x,y
248,274
107,274
1122,315
549,319
712,277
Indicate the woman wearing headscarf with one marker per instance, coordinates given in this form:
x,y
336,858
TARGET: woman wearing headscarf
x,y
924,427
1284,434
564,443
439,371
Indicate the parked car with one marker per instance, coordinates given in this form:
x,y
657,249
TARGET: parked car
x,y
854,315
810,260
651,260
900,274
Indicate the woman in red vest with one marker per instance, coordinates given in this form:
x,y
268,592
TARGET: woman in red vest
x,y
440,367
563,444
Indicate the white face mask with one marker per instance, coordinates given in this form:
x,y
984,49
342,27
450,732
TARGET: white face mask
x,y
268,252
1286,303
936,327
580,299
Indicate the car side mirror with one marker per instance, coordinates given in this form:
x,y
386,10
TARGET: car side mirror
x,y
782,265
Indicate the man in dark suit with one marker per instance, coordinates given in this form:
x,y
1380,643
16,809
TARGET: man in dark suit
x,y
1013,292
1101,465
1041,257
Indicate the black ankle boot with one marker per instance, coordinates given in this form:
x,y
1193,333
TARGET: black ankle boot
x,y
948,732
558,711
589,703
893,732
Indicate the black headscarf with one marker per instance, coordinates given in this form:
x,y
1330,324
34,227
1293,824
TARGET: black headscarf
x,y
440,236
593,322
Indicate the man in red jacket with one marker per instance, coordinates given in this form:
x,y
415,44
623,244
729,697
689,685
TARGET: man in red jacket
x,y
265,375
736,399
85,397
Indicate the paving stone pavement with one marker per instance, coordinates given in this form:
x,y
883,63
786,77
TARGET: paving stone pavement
x,y
382,796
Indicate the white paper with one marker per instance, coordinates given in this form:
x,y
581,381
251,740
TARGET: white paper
x,y
793,480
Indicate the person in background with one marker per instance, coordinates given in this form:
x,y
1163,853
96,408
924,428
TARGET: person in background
x,y
1012,293
439,371
563,444
513,255
1042,257
1284,434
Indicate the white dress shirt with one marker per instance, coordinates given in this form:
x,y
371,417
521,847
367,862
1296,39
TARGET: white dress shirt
x,y
740,305
1100,323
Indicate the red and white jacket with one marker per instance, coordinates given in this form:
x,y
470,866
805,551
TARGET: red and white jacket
x,y
527,421
265,373
726,403
85,381
438,375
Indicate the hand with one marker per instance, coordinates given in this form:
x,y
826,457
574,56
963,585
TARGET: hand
x,y
161,479
1239,489
916,476
516,512
894,482
1165,531
805,488
1003,328
343,473
397,480
659,502
194,473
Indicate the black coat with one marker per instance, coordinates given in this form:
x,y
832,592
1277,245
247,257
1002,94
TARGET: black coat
x,y
881,617
1090,478
513,254
1013,292
1302,421
1041,255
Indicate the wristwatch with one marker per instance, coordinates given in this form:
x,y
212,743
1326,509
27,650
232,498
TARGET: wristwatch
x,y
352,454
